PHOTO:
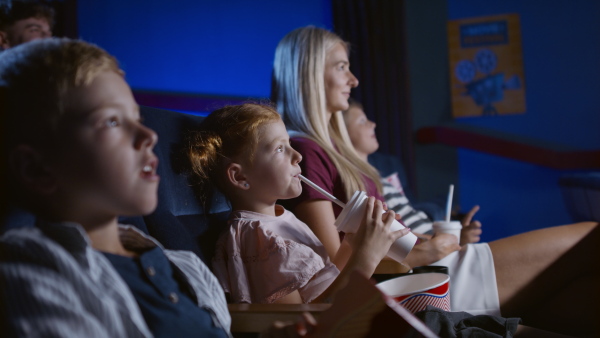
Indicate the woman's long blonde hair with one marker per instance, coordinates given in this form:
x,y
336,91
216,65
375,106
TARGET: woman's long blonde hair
x,y
298,90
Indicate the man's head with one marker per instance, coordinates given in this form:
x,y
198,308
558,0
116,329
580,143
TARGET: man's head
x,y
73,133
24,22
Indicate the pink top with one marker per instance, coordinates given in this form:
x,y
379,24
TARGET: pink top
x,y
262,258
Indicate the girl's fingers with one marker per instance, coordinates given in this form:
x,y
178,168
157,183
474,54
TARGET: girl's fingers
x,y
370,207
389,217
378,209
400,233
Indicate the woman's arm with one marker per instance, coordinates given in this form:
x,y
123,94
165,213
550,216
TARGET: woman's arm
x,y
431,251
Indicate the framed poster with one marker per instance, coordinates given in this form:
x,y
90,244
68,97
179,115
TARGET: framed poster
x,y
486,66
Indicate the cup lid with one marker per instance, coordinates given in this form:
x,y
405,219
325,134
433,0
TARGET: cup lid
x,y
342,220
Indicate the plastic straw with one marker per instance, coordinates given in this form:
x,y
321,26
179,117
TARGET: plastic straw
x,y
325,193
449,202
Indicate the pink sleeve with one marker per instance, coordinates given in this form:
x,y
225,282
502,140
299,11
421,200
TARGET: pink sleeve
x,y
255,266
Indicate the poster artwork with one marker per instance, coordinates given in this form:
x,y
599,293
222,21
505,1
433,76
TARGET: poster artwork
x,y
486,66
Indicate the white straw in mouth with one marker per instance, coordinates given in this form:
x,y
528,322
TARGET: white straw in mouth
x,y
325,193
449,202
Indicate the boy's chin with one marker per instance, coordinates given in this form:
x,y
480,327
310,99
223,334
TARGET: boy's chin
x,y
144,209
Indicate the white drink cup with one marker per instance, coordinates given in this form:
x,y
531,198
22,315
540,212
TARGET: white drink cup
x,y
352,215
452,227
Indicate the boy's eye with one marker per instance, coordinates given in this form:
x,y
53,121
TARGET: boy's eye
x,y
113,122
279,149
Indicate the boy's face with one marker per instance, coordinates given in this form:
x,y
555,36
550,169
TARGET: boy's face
x,y
105,166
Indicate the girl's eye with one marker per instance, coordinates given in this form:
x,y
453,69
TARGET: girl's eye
x,y
279,149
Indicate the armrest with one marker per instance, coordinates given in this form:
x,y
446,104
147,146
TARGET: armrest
x,y
259,317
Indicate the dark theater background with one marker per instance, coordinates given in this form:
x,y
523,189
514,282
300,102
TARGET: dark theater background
x,y
194,55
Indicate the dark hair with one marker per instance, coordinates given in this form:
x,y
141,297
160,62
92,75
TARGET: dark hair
x,y
25,10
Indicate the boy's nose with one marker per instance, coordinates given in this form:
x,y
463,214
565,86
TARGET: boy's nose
x,y
146,137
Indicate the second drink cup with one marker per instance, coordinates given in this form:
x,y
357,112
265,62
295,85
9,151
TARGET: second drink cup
x,y
351,217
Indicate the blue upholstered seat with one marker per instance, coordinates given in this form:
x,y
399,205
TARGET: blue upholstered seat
x,y
180,221
581,193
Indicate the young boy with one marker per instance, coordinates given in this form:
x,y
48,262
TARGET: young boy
x,y
77,156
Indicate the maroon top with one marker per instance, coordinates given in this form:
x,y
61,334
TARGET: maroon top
x,y
318,168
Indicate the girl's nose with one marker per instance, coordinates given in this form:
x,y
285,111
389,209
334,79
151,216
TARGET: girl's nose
x,y
296,157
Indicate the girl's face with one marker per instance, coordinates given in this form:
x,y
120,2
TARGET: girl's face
x,y
361,131
339,80
274,172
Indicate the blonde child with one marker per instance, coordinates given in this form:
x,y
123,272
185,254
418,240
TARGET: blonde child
x,y
77,157
267,255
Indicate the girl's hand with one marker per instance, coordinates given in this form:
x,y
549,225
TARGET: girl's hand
x,y
398,217
374,237
471,231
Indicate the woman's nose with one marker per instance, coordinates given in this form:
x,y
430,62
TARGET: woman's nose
x,y
353,80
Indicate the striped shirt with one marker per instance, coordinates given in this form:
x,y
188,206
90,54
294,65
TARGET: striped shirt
x,y
396,200
53,283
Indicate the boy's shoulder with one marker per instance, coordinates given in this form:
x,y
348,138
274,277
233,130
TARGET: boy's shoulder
x,y
32,246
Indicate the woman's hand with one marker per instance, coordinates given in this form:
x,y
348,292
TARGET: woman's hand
x,y
471,231
431,251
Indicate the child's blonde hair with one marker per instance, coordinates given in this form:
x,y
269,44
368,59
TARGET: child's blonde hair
x,y
229,134
36,78
298,89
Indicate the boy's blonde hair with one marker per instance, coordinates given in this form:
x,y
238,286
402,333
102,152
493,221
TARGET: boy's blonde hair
x,y
227,135
36,78
35,81
298,89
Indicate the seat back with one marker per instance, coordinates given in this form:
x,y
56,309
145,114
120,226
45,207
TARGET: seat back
x,y
581,193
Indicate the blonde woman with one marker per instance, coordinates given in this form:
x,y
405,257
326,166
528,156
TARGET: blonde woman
x,y
311,85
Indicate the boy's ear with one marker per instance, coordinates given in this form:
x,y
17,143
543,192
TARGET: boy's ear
x,y
30,168
236,176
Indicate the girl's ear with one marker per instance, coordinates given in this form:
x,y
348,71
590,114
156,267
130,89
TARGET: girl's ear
x,y
236,176
31,170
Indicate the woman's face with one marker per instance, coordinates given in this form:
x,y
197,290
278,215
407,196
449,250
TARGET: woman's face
x,y
361,131
339,80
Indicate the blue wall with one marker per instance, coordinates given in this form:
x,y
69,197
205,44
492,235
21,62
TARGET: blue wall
x,y
562,77
208,47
